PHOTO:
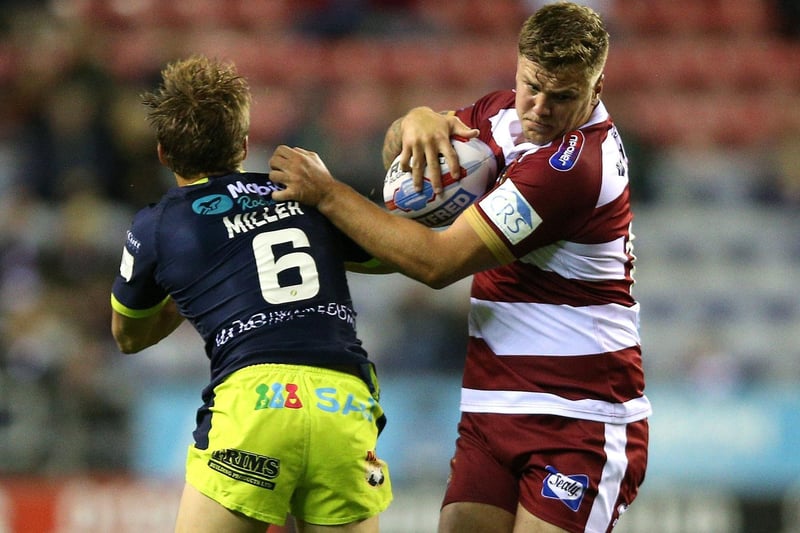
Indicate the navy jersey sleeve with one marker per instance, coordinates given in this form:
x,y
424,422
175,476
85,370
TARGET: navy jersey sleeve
x,y
135,292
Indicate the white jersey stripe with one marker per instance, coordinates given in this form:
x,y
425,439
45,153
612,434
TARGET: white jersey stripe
x,y
507,132
587,262
610,479
615,170
521,402
518,328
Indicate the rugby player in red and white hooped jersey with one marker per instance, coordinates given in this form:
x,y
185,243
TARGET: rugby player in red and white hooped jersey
x,y
553,434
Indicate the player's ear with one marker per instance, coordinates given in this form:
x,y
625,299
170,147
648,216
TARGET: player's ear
x,y
161,156
245,148
598,88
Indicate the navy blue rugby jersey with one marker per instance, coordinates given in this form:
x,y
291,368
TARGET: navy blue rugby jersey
x,y
261,281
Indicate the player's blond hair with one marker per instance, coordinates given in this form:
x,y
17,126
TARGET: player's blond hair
x,y
201,116
565,35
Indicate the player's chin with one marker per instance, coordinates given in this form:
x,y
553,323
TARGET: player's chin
x,y
539,134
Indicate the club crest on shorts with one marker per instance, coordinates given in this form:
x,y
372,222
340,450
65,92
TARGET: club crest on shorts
x,y
567,488
374,470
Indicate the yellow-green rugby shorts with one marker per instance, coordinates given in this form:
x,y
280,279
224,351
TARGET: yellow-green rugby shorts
x,y
293,438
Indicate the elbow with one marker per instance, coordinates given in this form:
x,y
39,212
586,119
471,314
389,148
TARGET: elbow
x,y
435,274
438,279
128,345
437,283
128,334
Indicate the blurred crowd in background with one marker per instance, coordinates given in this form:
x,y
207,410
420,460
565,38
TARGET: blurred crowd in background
x,y
705,92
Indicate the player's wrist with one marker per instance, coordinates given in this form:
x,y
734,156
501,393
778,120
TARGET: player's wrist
x,y
332,197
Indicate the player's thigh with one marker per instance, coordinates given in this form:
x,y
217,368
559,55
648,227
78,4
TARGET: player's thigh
x,y
370,525
528,523
479,470
471,517
200,514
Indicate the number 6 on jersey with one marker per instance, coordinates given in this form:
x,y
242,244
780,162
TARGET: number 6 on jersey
x,y
270,267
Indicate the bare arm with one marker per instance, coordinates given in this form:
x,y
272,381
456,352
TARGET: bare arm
x,y
435,258
420,136
135,334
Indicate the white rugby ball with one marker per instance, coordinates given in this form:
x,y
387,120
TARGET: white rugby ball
x,y
478,173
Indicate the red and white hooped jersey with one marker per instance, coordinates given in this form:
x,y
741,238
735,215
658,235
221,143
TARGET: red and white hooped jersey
x,y
555,330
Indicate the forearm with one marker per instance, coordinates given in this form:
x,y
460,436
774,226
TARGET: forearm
x,y
409,247
436,258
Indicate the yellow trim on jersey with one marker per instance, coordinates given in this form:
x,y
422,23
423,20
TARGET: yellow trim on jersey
x,y
371,266
120,308
495,244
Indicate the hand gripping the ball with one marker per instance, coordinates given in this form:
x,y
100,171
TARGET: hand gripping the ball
x,y
425,138
476,174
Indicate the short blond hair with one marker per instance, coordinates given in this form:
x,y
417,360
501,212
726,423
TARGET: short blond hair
x,y
565,35
201,116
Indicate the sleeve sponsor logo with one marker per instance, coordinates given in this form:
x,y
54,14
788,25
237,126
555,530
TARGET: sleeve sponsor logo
x,y
132,242
126,265
132,245
508,209
568,152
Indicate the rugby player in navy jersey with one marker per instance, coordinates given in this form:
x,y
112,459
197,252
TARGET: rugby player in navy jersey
x,y
553,435
290,418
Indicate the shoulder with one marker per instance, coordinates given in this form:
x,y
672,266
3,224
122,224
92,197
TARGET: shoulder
x,y
498,99
487,106
492,102
576,153
564,176
148,216
243,183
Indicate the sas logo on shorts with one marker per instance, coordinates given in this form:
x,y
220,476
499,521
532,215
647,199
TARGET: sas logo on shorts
x,y
567,154
213,204
568,489
258,470
374,470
